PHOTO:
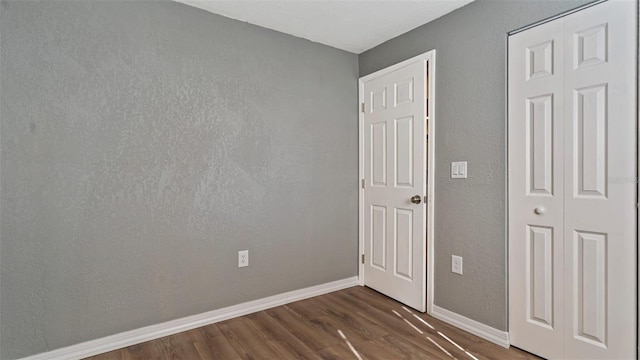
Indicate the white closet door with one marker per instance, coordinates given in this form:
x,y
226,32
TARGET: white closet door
x,y
600,187
572,185
536,101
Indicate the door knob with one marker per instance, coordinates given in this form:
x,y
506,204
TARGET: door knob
x,y
416,199
539,210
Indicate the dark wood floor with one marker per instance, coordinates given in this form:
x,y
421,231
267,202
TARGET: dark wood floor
x,y
354,323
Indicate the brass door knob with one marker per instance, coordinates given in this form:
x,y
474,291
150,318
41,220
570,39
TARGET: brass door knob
x,y
416,199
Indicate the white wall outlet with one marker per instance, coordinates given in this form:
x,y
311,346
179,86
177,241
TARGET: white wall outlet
x,y
456,264
459,170
243,258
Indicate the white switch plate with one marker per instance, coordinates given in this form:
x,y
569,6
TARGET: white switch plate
x,y
243,258
459,170
456,264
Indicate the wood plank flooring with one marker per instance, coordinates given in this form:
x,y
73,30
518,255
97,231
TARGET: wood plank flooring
x,y
355,323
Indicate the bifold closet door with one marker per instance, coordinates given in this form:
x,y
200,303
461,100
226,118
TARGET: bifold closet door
x,y
572,188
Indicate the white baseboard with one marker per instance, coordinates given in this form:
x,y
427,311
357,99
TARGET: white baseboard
x,y
147,333
476,328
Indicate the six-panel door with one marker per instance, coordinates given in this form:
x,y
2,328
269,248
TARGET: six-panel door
x,y
394,156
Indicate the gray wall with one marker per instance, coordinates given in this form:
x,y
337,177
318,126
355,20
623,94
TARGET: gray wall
x,y
470,125
142,145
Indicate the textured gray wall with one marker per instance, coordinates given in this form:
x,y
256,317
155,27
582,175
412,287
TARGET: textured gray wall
x,y
142,145
470,125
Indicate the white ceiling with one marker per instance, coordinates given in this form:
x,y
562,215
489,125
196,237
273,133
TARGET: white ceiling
x,y
351,25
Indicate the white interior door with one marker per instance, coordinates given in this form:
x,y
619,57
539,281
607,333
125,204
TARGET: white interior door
x,y
572,185
395,173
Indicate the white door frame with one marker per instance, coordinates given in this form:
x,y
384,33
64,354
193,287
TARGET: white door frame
x,y
430,59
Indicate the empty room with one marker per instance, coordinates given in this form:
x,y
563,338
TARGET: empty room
x,y
316,179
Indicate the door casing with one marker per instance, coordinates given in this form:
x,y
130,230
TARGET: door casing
x,y
430,59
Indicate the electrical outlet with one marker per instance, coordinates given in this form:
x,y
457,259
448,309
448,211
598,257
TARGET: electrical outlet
x,y
456,264
243,258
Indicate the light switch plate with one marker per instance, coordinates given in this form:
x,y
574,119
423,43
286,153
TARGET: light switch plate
x,y
459,170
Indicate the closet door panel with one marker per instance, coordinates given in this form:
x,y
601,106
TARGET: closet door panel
x,y
536,103
600,187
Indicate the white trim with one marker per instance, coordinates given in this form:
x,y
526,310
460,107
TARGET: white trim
x,y
360,179
147,333
422,57
431,182
638,184
430,59
561,15
476,328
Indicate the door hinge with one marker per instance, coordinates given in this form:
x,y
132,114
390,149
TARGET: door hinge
x,y
363,183
363,258
362,107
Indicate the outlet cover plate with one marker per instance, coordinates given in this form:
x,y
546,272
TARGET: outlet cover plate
x,y
456,264
243,258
